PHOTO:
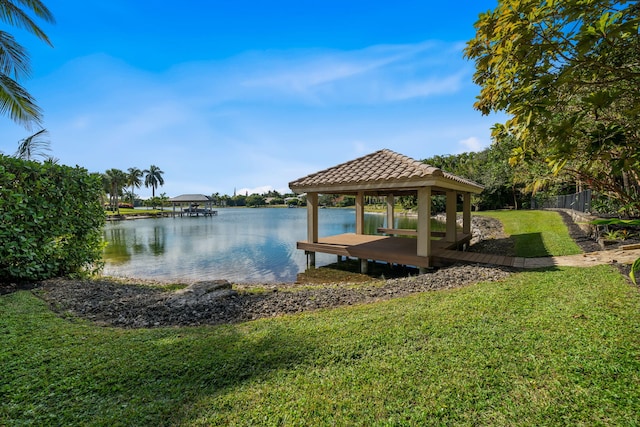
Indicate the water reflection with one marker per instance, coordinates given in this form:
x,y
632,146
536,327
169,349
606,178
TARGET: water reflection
x,y
242,245
116,251
157,241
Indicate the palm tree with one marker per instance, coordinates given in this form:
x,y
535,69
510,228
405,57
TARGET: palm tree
x,y
153,178
33,145
14,60
134,176
114,180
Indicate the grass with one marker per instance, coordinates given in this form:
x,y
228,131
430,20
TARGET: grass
x,y
552,347
536,233
135,212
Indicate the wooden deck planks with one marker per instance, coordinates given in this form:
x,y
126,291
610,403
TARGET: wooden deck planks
x,y
395,250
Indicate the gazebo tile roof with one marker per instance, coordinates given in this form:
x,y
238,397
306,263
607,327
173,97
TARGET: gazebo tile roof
x,y
187,198
381,167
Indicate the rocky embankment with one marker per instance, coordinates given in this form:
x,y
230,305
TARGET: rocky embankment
x,y
134,306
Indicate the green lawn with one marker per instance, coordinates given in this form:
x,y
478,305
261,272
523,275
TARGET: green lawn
x,y
536,233
556,347
135,212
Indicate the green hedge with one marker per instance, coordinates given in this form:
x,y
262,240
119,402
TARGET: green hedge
x,y
51,220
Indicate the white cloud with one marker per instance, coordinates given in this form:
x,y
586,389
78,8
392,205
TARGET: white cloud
x,y
471,144
256,190
323,77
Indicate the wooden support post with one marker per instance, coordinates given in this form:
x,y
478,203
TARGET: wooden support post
x,y
390,208
364,266
424,222
466,213
312,217
452,197
312,225
360,212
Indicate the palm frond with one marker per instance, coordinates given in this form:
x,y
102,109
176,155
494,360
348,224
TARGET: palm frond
x,y
18,103
12,14
14,60
33,145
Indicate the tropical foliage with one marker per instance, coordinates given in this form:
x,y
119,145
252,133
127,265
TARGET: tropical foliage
x,y
255,200
567,73
153,178
50,220
113,181
33,145
134,180
635,268
15,101
505,184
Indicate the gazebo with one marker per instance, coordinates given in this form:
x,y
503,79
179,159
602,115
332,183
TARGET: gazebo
x,y
193,203
389,174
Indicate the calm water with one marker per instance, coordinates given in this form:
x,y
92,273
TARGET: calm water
x,y
240,245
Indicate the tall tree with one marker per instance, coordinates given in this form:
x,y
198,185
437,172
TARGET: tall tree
x,y
34,145
153,178
15,101
134,180
114,180
567,73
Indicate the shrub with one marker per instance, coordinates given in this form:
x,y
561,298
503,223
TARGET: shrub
x,y
635,268
50,220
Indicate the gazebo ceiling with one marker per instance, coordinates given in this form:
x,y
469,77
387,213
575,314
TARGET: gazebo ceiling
x,y
380,173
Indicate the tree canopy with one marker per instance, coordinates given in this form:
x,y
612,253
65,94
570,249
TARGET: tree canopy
x,y
153,178
568,74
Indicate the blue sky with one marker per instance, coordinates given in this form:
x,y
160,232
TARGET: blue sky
x,y
250,95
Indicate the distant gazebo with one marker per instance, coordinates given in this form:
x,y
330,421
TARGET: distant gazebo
x,y
196,205
389,174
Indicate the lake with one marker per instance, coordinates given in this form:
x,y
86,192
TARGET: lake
x,y
239,244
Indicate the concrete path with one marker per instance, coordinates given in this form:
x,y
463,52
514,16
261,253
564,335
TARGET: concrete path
x,y
580,260
592,258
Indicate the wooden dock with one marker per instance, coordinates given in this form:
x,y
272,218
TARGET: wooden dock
x,y
394,250
402,251
195,212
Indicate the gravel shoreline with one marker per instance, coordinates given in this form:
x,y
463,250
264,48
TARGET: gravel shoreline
x,y
134,304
